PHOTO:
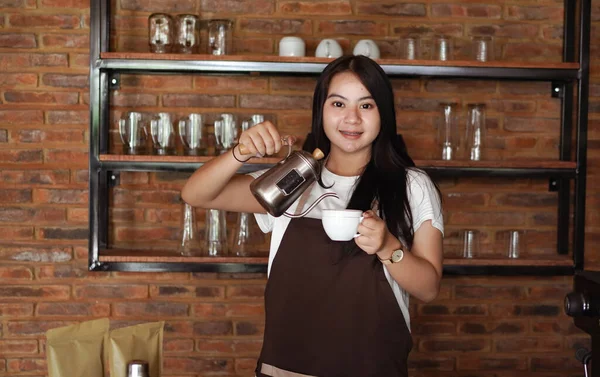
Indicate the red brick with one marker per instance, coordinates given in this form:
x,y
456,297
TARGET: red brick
x,y
15,272
247,291
536,13
11,80
463,344
164,6
13,40
187,291
68,117
392,9
19,233
9,61
15,196
73,309
20,156
41,98
151,309
422,363
528,344
197,364
80,4
34,177
58,80
275,102
76,157
58,196
21,116
213,328
277,26
432,328
249,328
178,345
352,27
245,7
198,100
492,363
37,253
47,21
42,136
26,365
467,10
68,271
111,291
62,233
231,84
478,327
62,41
16,310
34,292
134,99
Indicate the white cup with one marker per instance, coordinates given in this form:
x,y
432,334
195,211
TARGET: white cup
x,y
367,48
341,224
292,46
329,48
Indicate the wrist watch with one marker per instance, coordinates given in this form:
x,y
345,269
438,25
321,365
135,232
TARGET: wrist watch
x,y
396,257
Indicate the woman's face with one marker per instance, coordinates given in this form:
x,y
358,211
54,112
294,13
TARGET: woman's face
x,y
350,116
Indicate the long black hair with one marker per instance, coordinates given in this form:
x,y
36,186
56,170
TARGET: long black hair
x,y
385,177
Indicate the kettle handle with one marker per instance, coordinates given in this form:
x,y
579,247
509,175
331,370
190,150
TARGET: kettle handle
x,y
295,216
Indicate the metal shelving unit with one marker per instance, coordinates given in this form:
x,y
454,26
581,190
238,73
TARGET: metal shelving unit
x,y
566,77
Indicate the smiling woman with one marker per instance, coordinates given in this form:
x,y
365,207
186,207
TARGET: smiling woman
x,y
352,294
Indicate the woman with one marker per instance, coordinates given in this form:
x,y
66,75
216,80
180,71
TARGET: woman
x,y
340,308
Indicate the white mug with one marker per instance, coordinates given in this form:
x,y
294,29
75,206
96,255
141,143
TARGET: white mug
x,y
341,224
292,46
367,48
329,48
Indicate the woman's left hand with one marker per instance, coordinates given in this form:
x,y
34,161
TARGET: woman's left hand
x,y
374,234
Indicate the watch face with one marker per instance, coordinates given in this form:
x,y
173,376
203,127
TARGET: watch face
x,y
397,256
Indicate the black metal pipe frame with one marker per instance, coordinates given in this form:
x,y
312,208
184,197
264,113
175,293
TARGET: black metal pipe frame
x,y
99,117
582,127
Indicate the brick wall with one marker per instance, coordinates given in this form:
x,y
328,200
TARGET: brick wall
x,y
478,326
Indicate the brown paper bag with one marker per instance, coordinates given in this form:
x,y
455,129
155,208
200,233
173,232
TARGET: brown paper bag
x,y
139,342
76,350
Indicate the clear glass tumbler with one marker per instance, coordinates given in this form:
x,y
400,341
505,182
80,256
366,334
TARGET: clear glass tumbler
x,y
190,244
160,33
187,34
448,131
411,48
215,238
475,131
483,48
443,49
192,135
219,37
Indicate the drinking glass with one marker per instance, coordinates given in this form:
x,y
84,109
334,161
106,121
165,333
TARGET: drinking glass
x,y
133,132
187,33
515,243
163,133
483,48
470,243
215,238
219,37
190,244
191,133
411,48
225,132
160,32
448,131
443,48
247,238
253,121
475,131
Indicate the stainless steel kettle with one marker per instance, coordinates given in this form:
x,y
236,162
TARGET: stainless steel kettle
x,y
278,188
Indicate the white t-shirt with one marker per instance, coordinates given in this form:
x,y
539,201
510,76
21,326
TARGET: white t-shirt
x,y
423,200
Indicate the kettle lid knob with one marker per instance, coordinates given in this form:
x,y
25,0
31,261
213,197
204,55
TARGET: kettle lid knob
x,y
318,154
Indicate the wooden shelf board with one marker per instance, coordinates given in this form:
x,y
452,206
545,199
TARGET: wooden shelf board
x,y
308,59
513,164
156,256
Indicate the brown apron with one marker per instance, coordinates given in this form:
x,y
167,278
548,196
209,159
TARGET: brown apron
x,y
329,314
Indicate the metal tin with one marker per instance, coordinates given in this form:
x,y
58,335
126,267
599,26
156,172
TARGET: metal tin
x,y
278,188
137,368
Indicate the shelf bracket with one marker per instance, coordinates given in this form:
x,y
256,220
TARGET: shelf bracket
x,y
114,81
114,178
553,185
558,89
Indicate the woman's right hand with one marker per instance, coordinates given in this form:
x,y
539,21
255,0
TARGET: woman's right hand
x,y
261,140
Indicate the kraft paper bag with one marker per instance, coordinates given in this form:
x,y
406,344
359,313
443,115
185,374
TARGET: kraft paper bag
x,y
139,342
76,350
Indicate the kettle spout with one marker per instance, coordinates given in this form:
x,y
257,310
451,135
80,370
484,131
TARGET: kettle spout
x,y
326,195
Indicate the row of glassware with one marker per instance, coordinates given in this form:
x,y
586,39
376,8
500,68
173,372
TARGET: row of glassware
x,y
182,34
247,239
136,128
471,243
449,132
